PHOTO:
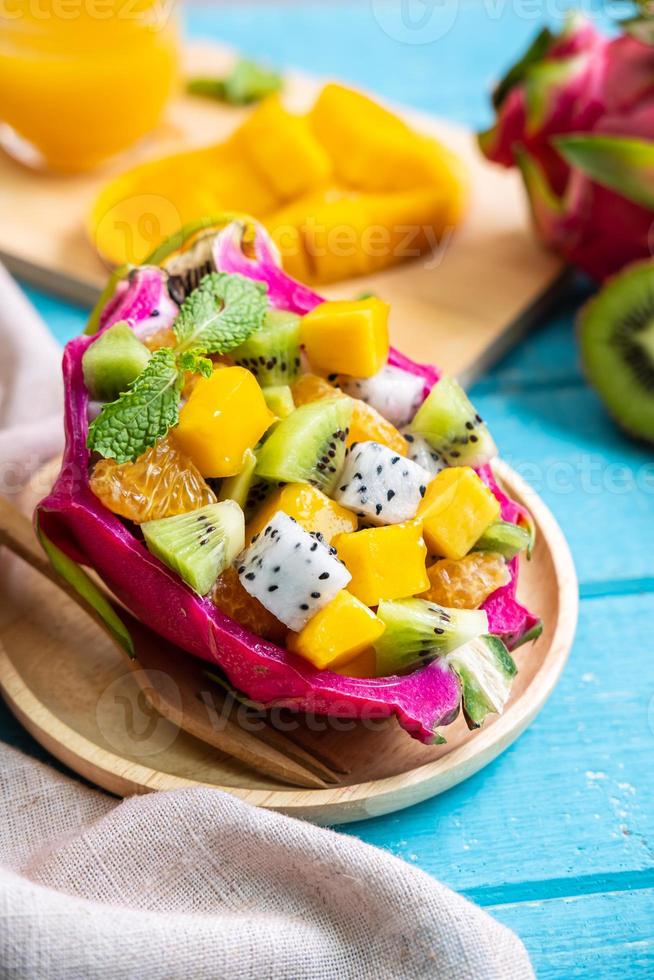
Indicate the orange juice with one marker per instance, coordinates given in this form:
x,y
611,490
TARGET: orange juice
x,y
81,80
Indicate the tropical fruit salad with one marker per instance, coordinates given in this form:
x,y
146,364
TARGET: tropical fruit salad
x,y
259,477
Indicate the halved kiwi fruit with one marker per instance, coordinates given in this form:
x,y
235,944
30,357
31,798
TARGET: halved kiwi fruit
x,y
198,545
616,335
187,269
272,353
247,489
309,445
452,426
418,631
504,539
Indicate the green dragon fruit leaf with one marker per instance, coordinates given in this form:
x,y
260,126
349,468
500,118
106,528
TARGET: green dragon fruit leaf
x,y
77,578
542,82
620,163
547,208
516,74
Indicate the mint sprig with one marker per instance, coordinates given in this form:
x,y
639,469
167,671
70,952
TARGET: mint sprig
x,y
125,428
220,314
217,316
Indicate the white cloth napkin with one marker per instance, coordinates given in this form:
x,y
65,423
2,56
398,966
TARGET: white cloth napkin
x,y
195,884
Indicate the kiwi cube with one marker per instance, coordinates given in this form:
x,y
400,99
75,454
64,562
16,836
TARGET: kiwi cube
x,y
113,361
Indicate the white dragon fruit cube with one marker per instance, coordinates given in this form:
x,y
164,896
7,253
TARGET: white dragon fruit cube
x,y
292,572
378,484
395,393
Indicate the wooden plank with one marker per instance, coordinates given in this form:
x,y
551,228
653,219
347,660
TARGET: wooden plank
x,y
592,937
462,307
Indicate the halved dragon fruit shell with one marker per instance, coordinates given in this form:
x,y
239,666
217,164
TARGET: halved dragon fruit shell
x,y
72,519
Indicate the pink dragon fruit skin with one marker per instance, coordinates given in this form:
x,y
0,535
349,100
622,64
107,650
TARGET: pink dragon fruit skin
x,y
75,521
142,300
507,617
588,85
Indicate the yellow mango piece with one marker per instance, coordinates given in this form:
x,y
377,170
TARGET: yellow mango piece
x,y
309,506
336,234
385,562
374,150
348,337
283,150
138,209
369,425
455,511
224,415
363,665
336,634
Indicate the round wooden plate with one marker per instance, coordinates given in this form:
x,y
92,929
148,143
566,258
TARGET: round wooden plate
x,y
72,690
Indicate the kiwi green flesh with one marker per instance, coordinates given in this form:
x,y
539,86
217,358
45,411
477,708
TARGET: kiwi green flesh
x,y
616,332
198,545
247,489
451,425
279,399
308,446
113,361
238,487
272,353
418,631
486,669
504,539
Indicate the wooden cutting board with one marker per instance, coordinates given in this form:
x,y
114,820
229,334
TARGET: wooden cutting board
x,y
460,308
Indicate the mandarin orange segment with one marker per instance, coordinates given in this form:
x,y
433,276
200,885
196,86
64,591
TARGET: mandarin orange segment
x,y
232,599
466,583
312,388
161,483
161,338
367,423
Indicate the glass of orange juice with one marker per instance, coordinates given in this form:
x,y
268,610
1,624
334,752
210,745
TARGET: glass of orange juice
x,y
81,80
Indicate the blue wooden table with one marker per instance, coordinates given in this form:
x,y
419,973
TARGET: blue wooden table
x,y
556,838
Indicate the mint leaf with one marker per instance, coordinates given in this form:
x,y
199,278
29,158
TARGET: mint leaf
x,y
220,314
125,428
189,360
247,82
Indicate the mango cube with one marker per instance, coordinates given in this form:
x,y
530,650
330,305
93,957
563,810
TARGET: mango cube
x,y
455,511
309,507
271,137
385,562
336,634
225,414
347,337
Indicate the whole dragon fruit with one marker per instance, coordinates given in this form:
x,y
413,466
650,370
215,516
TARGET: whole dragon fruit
x,y
576,114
